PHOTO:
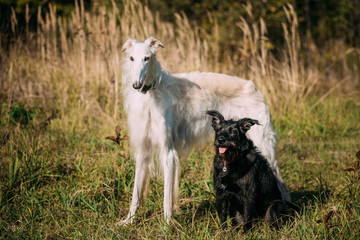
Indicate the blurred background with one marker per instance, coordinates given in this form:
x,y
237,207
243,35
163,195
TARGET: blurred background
x,y
291,49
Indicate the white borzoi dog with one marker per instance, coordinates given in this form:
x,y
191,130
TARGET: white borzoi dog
x,y
167,117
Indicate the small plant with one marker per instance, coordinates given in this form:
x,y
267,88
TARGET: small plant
x,y
19,113
118,137
354,179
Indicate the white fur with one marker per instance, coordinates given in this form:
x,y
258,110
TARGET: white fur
x,y
170,119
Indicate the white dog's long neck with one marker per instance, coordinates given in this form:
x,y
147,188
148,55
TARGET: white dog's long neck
x,y
154,74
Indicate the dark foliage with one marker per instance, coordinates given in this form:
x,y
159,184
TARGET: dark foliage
x,y
320,20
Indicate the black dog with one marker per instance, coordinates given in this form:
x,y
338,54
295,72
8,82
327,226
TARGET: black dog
x,y
245,185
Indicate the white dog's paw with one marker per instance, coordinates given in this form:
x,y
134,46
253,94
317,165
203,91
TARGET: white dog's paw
x,y
126,221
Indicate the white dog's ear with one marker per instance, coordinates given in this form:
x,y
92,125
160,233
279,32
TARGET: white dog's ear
x,y
154,44
128,44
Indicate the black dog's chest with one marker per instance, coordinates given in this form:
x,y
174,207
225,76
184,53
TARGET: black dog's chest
x,y
231,178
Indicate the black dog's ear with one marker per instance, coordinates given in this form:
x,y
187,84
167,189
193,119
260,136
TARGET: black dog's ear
x,y
246,123
217,117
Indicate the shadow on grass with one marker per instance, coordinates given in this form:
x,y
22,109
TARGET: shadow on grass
x,y
301,198
199,208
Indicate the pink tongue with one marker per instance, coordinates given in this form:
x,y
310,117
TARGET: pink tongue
x,y
222,149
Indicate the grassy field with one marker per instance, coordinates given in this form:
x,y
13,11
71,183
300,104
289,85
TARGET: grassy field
x,y
61,179
66,180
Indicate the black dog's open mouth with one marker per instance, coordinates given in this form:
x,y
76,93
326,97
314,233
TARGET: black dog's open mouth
x,y
222,150
226,152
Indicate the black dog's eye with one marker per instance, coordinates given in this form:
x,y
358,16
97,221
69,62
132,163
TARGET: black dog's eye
x,y
146,59
131,58
218,127
234,131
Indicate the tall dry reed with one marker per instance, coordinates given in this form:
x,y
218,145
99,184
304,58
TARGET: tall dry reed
x,y
75,62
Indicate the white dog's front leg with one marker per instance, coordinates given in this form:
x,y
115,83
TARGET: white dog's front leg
x,y
169,160
140,186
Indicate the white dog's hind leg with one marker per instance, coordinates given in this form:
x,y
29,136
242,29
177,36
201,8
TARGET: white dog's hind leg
x,y
177,172
271,155
140,185
285,193
264,139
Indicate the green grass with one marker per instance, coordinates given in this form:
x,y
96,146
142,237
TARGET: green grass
x,y
66,181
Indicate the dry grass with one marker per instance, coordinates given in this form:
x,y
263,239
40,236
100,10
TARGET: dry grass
x,y
79,58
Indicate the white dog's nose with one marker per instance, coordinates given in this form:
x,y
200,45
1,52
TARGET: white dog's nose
x,y
137,85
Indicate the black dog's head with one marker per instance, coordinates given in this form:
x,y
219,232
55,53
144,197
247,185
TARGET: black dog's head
x,y
230,138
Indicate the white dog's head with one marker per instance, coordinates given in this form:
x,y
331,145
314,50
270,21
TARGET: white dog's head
x,y
142,62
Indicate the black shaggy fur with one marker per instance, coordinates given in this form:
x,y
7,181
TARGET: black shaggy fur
x,y
245,185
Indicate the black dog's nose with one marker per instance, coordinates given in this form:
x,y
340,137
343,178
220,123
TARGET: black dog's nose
x,y
221,140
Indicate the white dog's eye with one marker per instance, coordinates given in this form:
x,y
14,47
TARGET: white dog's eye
x,y
146,59
131,58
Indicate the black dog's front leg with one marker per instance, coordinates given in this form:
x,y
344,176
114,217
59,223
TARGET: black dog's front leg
x,y
249,215
222,209
241,215
236,214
